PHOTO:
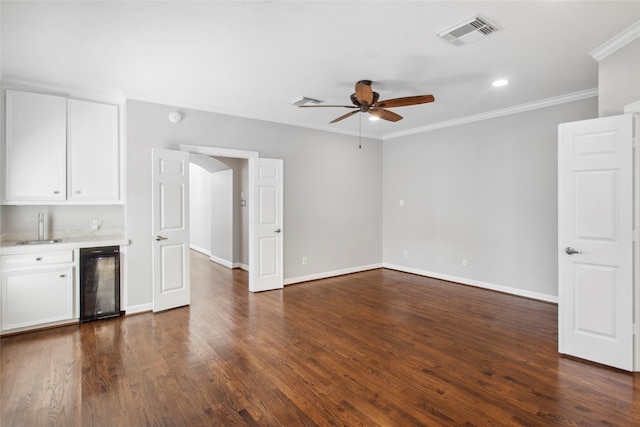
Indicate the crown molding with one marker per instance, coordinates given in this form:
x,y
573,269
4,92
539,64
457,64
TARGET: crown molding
x,y
113,97
549,102
201,106
618,42
634,107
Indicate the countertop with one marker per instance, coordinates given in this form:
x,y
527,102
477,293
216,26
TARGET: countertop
x,y
9,247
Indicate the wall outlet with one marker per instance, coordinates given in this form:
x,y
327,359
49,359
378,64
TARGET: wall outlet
x,y
405,253
304,260
464,262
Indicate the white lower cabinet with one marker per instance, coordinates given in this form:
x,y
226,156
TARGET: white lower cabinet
x,y
37,290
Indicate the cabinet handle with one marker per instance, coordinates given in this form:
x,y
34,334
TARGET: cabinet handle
x,y
39,259
77,192
63,275
56,192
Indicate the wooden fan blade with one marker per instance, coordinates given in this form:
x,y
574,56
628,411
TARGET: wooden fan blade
x,y
406,101
345,116
364,93
385,114
318,106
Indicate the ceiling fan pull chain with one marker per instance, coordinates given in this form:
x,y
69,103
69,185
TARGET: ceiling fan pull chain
x,y
360,132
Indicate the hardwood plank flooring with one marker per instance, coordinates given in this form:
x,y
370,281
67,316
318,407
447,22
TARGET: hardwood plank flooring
x,y
378,348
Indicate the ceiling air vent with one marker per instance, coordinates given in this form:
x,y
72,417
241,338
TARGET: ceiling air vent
x,y
304,100
468,31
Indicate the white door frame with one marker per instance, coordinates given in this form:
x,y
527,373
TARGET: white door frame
x,y
634,108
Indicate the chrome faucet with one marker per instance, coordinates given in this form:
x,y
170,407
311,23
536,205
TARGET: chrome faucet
x,y
40,225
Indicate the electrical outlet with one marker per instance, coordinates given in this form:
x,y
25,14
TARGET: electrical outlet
x,y
405,253
464,262
304,260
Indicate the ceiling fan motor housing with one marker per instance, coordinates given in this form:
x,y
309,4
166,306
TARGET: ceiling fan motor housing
x,y
364,106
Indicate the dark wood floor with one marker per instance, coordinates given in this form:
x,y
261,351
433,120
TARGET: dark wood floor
x,y
374,348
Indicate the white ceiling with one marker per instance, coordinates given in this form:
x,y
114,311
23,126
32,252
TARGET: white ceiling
x,y
252,58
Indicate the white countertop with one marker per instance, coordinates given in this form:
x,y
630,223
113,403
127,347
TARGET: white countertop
x,y
9,247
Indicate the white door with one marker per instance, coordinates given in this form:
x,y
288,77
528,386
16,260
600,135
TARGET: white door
x,y
265,225
595,238
170,198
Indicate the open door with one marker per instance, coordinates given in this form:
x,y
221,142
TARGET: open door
x,y
595,241
265,225
170,228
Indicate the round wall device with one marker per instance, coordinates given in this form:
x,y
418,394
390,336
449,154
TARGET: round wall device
x,y
175,117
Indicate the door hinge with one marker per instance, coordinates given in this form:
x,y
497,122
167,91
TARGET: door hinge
x,y
635,235
636,329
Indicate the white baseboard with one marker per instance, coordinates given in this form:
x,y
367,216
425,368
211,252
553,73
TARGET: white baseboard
x,y
139,308
228,264
500,288
222,262
333,273
199,249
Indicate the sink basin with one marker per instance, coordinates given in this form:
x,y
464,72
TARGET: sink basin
x,y
38,242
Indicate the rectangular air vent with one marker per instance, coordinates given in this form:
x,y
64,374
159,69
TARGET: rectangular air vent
x,y
304,100
468,31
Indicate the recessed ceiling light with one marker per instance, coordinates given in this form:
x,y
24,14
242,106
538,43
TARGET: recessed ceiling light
x,y
500,82
374,118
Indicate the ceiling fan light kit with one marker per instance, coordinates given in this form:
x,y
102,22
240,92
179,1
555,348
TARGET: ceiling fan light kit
x,y
365,100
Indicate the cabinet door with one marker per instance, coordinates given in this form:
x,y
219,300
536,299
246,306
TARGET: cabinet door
x,y
36,297
36,146
93,151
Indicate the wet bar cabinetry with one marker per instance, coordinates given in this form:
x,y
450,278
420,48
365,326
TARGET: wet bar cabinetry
x,y
40,283
38,289
61,151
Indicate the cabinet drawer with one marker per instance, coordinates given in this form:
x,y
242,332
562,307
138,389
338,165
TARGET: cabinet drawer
x,y
36,259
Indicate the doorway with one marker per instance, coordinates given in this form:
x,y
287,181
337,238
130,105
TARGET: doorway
x,y
264,213
170,215
218,221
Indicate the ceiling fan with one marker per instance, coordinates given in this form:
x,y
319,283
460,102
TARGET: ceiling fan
x,y
365,100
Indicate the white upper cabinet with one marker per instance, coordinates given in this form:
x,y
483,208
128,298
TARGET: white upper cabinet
x,y
61,150
93,151
36,147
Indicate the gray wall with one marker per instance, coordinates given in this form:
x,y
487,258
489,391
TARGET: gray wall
x,y
485,192
211,207
619,80
222,215
332,198
200,195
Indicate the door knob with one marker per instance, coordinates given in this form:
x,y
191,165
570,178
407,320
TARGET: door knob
x,y
278,230
570,251
158,238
